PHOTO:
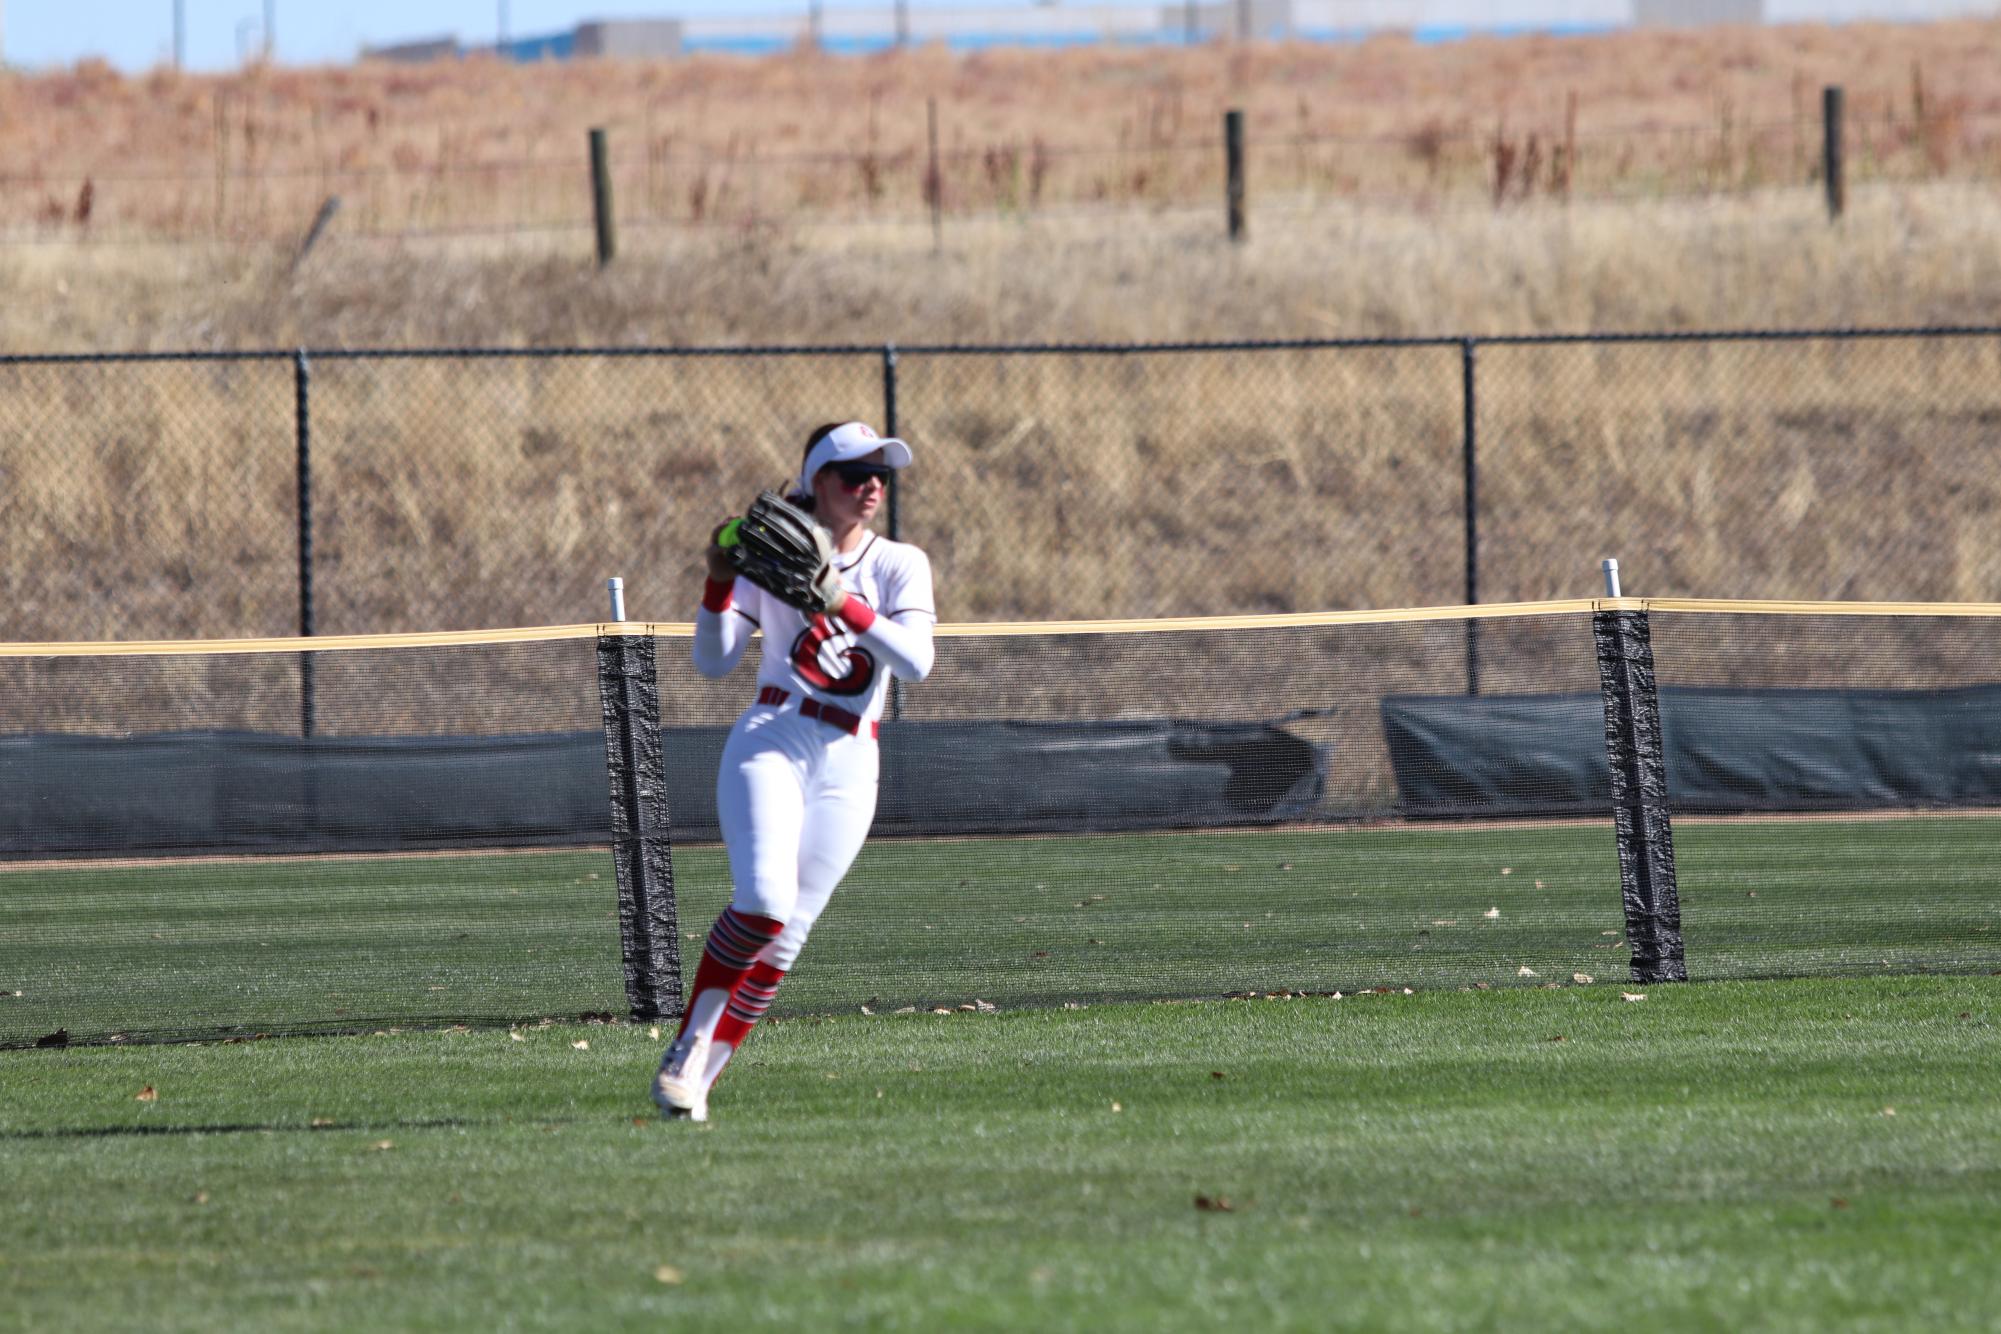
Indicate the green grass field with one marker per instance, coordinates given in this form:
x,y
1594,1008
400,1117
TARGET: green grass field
x,y
345,943
1800,1155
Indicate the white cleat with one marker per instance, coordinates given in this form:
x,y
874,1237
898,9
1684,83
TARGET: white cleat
x,y
678,1089
698,1112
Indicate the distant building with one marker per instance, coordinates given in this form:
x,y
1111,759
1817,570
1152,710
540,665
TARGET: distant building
x,y
1438,20
853,31
554,46
434,48
630,37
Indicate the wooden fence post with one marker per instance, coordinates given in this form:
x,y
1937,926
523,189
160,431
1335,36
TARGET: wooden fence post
x,y
1830,156
601,196
1233,156
934,179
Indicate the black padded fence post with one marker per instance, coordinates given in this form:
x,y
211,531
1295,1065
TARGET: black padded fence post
x,y
648,923
1638,763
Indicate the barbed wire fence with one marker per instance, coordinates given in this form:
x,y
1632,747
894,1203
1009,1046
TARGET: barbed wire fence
x,y
660,183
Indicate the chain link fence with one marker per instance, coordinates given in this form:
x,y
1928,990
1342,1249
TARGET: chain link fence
x,y
467,491
147,497
253,494
1855,467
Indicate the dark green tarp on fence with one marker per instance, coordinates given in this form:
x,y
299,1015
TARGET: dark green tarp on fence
x,y
1728,750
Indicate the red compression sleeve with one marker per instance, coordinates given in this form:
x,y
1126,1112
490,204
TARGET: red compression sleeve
x,y
858,614
716,594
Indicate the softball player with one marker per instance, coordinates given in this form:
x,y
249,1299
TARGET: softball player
x,y
797,786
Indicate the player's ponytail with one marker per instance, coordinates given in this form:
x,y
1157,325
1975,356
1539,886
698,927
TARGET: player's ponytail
x,y
802,495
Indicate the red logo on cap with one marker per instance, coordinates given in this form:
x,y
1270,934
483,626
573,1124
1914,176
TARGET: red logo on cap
x,y
867,431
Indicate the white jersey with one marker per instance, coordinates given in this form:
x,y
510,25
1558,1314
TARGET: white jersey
x,y
821,656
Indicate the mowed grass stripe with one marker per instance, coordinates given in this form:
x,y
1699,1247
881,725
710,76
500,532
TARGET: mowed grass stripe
x,y
275,945
1787,1155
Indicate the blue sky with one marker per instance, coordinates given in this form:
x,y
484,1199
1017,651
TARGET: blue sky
x,y
139,34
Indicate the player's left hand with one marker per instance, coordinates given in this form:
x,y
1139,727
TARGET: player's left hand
x,y
717,557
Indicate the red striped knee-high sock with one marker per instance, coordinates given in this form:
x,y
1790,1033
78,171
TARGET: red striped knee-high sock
x,y
747,1005
734,942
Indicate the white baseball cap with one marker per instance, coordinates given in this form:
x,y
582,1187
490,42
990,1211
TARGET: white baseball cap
x,y
847,442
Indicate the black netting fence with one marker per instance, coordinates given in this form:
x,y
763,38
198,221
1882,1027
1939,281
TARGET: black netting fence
x,y
181,497
471,832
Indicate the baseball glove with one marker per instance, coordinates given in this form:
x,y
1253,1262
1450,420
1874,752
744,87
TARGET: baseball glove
x,y
777,546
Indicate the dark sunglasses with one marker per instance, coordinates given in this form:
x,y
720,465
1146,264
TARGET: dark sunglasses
x,y
853,475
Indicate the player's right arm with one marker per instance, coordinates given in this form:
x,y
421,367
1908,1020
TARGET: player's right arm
x,y
728,616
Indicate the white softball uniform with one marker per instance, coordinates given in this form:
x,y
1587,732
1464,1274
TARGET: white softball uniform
x,y
797,786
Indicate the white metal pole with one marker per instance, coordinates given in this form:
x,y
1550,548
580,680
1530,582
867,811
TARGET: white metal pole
x,y
1611,569
616,587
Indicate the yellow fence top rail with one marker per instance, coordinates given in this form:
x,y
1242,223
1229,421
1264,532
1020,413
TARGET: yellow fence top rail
x,y
1157,625
139,648
1783,608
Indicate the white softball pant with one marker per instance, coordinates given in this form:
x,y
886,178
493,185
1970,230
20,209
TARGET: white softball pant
x,y
796,797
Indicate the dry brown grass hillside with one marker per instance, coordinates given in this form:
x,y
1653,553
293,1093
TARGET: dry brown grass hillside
x,y
1651,179
1902,255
